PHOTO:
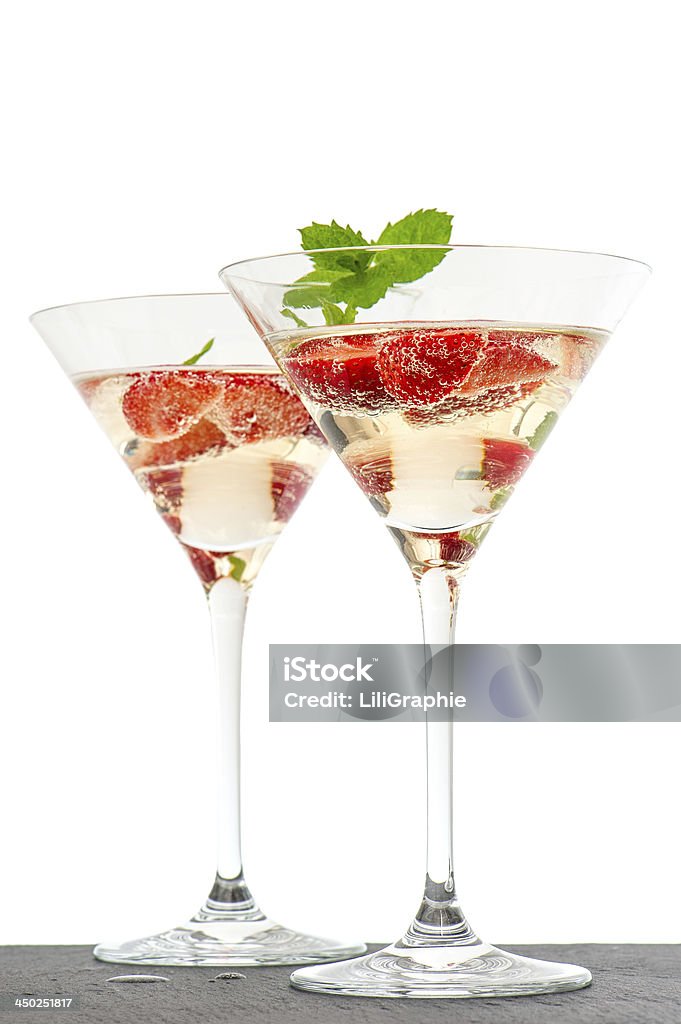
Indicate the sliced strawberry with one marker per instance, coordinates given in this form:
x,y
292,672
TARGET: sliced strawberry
x,y
577,355
164,404
89,386
374,476
174,523
290,484
452,546
339,372
259,407
478,404
314,434
506,360
426,366
166,487
200,439
420,367
504,462
204,564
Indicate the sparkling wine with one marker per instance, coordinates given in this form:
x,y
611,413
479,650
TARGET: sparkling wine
x,y
438,422
226,455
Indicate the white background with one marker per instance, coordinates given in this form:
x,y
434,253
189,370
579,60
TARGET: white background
x,y
148,144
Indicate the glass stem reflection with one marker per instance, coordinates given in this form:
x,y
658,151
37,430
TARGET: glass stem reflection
x,y
227,601
439,919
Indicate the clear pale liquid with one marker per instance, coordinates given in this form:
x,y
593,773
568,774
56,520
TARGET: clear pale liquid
x,y
423,467
226,507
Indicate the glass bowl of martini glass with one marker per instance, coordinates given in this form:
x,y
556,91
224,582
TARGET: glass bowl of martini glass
x,y
436,373
225,451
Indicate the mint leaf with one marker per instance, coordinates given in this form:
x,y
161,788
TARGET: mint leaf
x,y
322,276
470,536
194,359
363,289
238,567
425,227
500,497
543,430
292,316
329,236
359,279
476,534
314,288
333,314
333,236
306,298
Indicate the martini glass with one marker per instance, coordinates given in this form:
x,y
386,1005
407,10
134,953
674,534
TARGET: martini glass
x,y
437,400
225,452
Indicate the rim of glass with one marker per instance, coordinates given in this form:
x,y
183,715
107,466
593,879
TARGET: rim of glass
x,y
230,267
129,298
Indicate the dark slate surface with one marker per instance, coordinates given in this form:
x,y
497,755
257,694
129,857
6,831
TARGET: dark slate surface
x,y
632,985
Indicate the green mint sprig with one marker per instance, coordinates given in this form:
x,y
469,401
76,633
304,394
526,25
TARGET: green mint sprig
x,y
500,497
194,359
543,430
343,282
238,567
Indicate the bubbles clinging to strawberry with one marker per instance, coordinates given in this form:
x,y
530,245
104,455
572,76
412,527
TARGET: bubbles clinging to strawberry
x,y
192,411
161,405
289,485
258,407
227,455
455,369
422,367
340,372
202,438
504,461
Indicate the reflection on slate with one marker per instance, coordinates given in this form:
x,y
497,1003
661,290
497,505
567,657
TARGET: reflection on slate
x,y
475,682
632,985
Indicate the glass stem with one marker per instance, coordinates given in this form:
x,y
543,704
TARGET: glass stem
x,y
227,602
439,920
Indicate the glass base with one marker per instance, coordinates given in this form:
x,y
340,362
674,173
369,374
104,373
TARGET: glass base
x,y
436,972
228,931
227,944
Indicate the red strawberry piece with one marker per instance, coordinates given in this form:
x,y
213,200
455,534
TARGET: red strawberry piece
x,y
453,547
204,564
174,523
164,404
420,367
504,462
577,355
89,386
340,373
314,434
478,404
290,484
203,437
505,360
374,476
166,487
259,407
429,366
509,336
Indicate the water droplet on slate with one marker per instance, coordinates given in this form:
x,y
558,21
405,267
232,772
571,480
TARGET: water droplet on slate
x,y
139,979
